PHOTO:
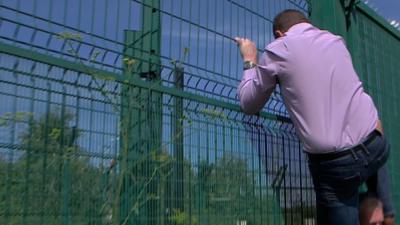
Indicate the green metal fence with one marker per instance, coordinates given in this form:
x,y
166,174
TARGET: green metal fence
x,y
125,112
375,48
376,53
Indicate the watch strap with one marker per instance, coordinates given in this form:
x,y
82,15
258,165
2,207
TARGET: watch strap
x,y
248,65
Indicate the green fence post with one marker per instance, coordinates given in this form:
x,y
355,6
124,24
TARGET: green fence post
x,y
64,169
178,188
329,15
141,121
337,17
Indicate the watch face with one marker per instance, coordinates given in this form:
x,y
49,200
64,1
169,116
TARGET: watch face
x,y
248,65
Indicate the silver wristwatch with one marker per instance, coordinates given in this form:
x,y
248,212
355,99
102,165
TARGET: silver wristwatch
x,y
248,65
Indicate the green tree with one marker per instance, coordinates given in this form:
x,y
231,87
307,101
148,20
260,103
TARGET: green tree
x,y
231,194
52,181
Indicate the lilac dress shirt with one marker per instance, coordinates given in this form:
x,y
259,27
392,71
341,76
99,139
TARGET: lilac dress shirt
x,y
321,90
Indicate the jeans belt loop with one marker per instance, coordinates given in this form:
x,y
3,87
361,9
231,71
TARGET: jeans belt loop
x,y
364,148
353,154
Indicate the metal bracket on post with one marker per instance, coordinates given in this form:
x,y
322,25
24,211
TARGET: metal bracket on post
x,y
277,184
150,75
280,175
309,4
348,7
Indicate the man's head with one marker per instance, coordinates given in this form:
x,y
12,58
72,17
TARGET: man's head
x,y
286,19
371,211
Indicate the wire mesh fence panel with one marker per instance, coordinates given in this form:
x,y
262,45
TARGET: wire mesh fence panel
x,y
63,160
374,46
377,50
125,112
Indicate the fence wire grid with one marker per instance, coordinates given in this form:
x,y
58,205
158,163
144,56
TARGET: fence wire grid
x,y
125,112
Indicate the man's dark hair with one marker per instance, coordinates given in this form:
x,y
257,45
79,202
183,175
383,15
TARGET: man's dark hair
x,y
287,18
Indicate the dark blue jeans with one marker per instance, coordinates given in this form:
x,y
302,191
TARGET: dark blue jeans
x,y
379,184
336,182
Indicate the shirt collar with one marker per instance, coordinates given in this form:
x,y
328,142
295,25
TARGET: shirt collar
x,y
298,28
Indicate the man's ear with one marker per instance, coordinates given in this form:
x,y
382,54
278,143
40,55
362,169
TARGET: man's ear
x,y
279,34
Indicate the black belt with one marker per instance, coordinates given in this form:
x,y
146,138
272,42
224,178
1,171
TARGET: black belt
x,y
334,155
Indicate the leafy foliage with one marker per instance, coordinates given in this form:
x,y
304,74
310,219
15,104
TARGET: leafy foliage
x,y
51,178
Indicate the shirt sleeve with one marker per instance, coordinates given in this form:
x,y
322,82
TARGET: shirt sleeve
x,y
258,84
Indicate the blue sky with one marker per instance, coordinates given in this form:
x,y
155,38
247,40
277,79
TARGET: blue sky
x,y
389,9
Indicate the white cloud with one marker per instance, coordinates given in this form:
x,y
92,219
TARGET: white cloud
x,y
395,24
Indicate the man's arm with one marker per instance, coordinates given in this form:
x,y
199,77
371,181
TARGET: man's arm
x,y
259,82
257,85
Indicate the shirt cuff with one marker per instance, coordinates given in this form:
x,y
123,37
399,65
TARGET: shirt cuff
x,y
250,73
